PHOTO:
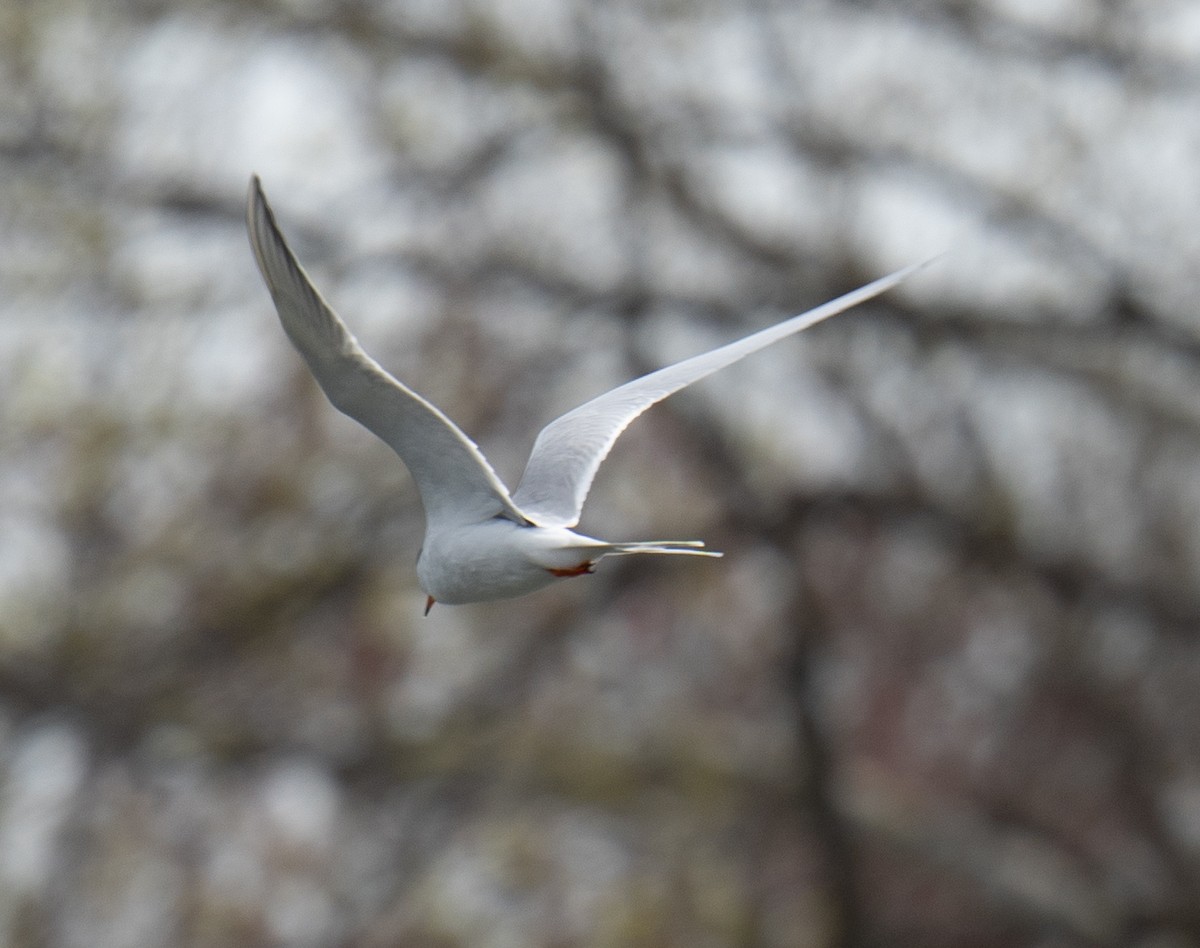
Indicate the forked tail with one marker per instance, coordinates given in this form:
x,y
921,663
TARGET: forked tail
x,y
683,547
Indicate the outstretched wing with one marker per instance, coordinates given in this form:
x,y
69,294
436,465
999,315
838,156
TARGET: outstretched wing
x,y
456,483
568,451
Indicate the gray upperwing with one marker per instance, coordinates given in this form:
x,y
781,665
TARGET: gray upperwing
x,y
568,451
456,483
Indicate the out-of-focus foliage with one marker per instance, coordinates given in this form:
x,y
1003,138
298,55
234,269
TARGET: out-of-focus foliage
x,y
942,690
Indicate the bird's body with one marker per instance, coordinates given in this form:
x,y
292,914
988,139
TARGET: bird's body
x,y
499,559
481,542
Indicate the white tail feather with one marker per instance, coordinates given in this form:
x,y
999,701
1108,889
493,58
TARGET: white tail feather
x,y
683,547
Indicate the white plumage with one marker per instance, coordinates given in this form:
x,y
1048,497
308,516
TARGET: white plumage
x,y
481,542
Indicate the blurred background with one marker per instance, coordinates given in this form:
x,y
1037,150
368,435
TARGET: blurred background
x,y
943,690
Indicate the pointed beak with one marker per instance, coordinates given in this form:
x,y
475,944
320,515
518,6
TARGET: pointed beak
x,y
429,604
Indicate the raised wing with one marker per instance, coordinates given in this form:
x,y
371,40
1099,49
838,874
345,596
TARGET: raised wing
x,y
456,483
568,451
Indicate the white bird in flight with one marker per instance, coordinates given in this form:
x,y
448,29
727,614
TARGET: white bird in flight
x,y
482,542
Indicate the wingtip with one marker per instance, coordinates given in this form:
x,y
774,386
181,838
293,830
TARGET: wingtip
x,y
898,276
929,261
893,280
256,198
266,238
258,219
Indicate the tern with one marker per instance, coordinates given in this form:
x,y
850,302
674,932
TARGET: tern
x,y
481,541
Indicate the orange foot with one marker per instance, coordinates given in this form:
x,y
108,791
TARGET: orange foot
x,y
587,566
